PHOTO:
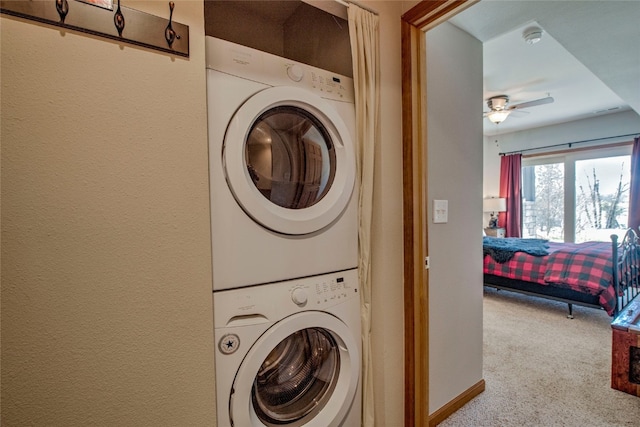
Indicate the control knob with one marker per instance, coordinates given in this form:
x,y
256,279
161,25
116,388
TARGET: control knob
x,y
299,296
295,72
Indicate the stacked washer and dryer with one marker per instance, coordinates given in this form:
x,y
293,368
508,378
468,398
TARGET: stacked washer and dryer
x,y
284,240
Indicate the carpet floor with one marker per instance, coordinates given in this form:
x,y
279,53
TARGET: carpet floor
x,y
543,369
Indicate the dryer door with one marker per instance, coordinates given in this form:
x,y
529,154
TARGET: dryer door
x,y
289,160
303,371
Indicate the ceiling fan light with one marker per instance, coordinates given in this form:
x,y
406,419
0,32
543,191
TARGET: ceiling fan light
x,y
498,116
532,35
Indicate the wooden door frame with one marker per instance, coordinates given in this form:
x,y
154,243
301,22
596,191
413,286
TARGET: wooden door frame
x,y
422,17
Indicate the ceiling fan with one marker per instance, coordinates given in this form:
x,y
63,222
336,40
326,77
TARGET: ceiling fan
x,y
500,109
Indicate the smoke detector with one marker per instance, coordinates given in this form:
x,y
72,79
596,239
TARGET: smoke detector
x,y
532,35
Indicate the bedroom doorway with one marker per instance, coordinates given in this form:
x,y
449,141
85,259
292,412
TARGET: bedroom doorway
x,y
415,203
422,17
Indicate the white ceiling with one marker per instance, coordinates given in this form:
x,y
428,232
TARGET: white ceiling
x,y
588,59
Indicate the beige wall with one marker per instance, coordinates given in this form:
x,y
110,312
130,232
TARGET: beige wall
x,y
106,285
387,273
106,281
455,145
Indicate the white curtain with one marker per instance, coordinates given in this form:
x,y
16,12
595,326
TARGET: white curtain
x,y
365,48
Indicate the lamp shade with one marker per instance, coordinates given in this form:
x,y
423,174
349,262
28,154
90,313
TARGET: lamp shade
x,y
494,205
498,116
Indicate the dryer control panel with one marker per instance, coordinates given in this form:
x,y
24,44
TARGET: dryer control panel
x,y
263,67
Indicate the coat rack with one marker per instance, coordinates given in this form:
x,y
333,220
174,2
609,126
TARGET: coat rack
x,y
122,24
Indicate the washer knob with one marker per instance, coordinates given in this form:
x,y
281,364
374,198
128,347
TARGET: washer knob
x,y
299,296
295,72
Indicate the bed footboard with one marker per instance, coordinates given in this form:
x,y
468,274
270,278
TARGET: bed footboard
x,y
626,273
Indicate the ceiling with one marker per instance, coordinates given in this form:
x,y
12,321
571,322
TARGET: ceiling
x,y
588,59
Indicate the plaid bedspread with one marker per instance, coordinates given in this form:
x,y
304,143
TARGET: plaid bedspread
x,y
583,267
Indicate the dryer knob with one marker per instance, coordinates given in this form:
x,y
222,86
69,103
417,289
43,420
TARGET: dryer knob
x,y
299,296
295,72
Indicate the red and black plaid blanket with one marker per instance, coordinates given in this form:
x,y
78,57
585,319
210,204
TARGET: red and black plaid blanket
x,y
583,267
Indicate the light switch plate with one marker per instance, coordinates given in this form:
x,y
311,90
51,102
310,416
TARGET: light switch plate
x,y
440,211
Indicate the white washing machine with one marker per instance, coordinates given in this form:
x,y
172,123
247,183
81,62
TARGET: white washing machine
x,y
288,353
282,167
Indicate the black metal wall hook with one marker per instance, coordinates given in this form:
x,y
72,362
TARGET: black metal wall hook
x,y
118,20
169,33
143,29
62,6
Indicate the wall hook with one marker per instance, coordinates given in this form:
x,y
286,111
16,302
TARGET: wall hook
x,y
169,33
118,20
62,6
142,28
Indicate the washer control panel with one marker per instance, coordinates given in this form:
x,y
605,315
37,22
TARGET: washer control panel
x,y
323,291
263,304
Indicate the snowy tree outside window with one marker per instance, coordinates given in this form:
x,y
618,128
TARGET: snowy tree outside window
x,y
576,199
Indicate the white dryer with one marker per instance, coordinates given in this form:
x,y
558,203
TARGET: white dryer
x,y
288,353
282,167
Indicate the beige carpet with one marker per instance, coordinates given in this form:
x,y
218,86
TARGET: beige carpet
x,y
542,369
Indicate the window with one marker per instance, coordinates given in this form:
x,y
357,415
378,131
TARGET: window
x,y
602,197
579,197
543,201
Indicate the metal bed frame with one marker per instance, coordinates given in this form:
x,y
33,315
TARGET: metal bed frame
x,y
626,279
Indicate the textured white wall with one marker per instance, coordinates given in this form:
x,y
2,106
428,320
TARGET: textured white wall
x,y
624,123
106,288
454,161
106,281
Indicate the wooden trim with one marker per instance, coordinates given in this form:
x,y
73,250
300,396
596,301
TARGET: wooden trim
x,y
428,14
445,412
424,15
416,303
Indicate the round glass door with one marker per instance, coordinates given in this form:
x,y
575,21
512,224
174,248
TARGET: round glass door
x,y
289,160
297,378
303,371
290,157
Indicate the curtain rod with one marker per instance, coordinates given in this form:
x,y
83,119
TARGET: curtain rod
x,y
565,143
346,3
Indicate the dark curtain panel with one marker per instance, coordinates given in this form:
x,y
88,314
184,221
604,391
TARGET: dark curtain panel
x,y
510,189
634,191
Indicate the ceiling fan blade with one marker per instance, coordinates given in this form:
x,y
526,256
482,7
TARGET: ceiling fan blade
x,y
519,113
534,103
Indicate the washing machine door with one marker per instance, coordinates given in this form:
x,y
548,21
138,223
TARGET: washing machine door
x,y
303,371
289,160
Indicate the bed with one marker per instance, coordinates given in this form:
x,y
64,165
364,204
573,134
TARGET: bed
x,y
575,273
